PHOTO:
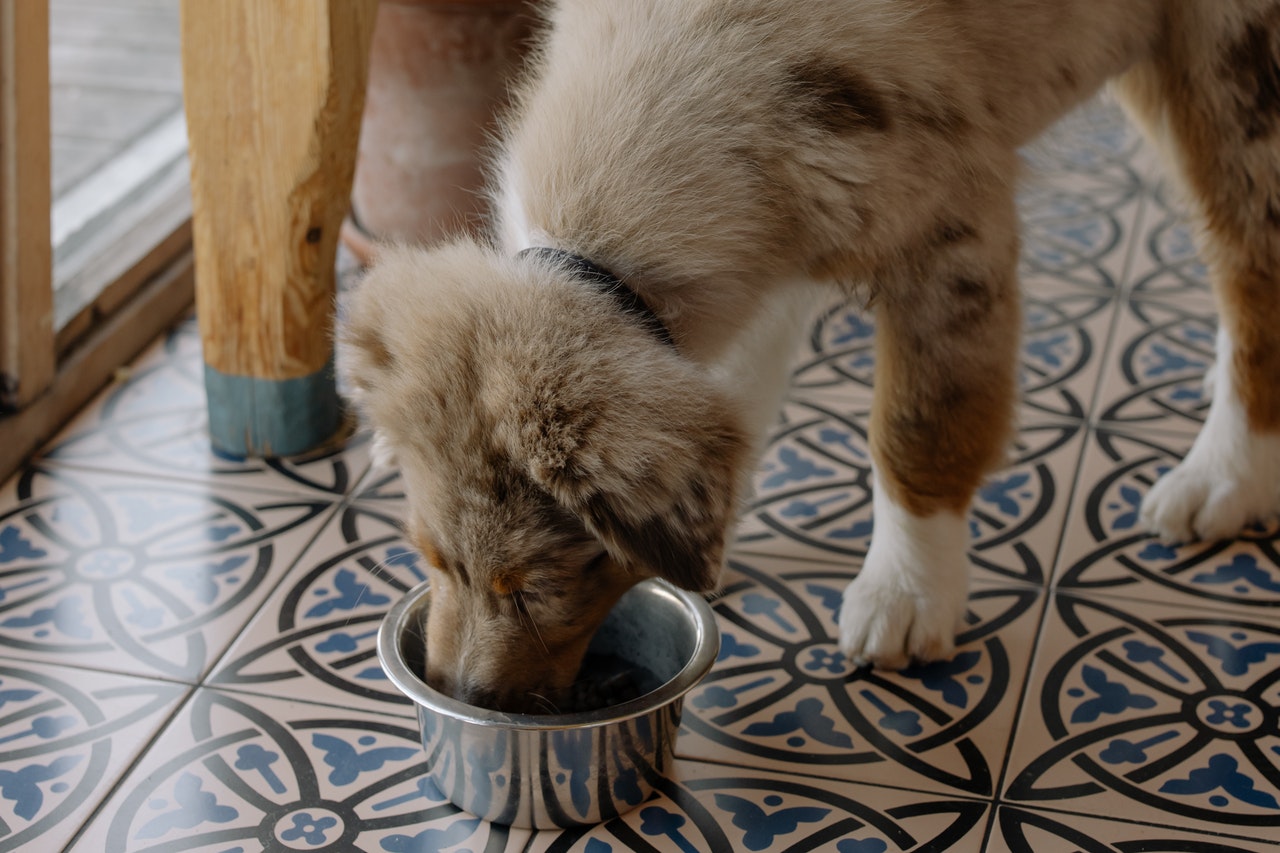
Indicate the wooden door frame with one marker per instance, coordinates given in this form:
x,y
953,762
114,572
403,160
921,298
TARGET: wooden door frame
x,y
27,345
44,382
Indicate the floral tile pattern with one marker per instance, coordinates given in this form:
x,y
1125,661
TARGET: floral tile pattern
x,y
709,807
187,642
234,772
146,576
65,736
782,696
320,626
813,498
1174,712
1107,551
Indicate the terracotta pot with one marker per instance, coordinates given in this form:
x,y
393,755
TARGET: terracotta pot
x,y
439,73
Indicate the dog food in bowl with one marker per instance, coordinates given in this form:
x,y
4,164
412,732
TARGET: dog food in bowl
x,y
607,679
575,767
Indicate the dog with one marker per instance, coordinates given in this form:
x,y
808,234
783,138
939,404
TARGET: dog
x,y
577,400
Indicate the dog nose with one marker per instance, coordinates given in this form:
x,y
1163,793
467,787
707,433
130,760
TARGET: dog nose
x,y
479,695
439,683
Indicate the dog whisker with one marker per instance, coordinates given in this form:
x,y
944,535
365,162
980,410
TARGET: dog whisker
x,y
530,625
544,703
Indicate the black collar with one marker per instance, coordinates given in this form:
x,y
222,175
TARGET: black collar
x,y
606,282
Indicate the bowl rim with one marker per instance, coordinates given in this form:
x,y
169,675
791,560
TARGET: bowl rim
x,y
706,649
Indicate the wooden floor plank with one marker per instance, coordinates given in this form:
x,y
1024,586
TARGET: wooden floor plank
x,y
75,159
116,73
116,67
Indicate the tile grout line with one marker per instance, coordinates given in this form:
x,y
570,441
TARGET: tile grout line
x,y
128,770
11,657
193,481
1070,499
815,777
1113,818
409,715
270,589
201,682
348,500
1207,608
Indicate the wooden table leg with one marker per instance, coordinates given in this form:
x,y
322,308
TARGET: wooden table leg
x,y
273,93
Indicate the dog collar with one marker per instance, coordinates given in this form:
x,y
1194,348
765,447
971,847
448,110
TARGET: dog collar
x,y
607,283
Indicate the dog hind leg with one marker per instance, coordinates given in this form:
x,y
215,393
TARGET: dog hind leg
x,y
1211,101
946,348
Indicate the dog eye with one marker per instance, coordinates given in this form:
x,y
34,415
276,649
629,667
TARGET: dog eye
x,y
426,547
522,599
507,585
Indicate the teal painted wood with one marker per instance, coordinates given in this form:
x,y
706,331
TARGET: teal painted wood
x,y
272,417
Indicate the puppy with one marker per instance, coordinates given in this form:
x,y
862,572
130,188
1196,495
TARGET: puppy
x,y
577,403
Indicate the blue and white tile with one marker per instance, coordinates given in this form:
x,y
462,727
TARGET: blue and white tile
x,y
1086,184
812,495
1022,830
812,486
153,421
1159,714
1075,237
1064,335
316,636
255,773
1163,344
139,575
276,774
1094,140
66,738
711,807
1167,264
1160,354
837,357
782,697
1106,550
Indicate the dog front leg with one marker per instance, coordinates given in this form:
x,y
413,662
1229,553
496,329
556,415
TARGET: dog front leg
x,y
1205,101
946,350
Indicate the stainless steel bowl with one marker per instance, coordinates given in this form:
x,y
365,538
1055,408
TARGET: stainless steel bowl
x,y
560,770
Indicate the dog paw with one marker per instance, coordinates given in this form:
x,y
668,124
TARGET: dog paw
x,y
1229,479
891,627
1205,499
909,601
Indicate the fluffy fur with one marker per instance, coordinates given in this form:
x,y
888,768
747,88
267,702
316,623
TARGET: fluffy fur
x,y
733,161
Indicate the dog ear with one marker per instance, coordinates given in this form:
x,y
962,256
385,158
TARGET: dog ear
x,y
364,364
654,476
363,355
680,534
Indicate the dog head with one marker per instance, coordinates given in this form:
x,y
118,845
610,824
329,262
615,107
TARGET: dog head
x,y
553,452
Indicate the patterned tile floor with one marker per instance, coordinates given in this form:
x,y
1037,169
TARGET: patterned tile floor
x,y
187,642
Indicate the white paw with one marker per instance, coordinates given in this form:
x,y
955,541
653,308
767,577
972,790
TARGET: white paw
x,y
908,602
1230,478
1208,498
890,626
